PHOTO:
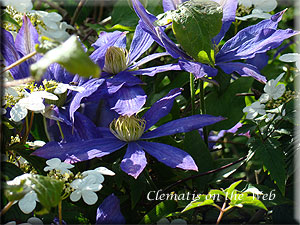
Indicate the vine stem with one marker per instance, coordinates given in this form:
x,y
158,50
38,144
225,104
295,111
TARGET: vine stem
x,y
19,61
192,90
60,213
203,110
6,208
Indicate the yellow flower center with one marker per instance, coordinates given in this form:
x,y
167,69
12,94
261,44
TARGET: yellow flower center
x,y
128,128
115,60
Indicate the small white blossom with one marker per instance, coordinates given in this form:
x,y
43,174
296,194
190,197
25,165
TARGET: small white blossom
x,y
62,88
20,5
54,28
254,109
57,164
261,8
28,203
291,57
166,221
86,189
30,221
33,102
273,90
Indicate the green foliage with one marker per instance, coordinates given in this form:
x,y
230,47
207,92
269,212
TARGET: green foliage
x,y
227,104
272,158
237,199
195,36
69,55
48,191
160,210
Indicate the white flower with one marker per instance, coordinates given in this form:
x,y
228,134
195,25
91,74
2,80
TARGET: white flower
x,y
62,88
166,221
273,90
20,5
28,203
254,109
56,164
30,221
32,102
54,28
98,174
261,7
86,189
291,57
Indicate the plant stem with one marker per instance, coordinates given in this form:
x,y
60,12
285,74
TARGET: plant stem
x,y
192,90
77,10
28,127
45,128
222,211
60,213
60,130
203,110
6,208
19,61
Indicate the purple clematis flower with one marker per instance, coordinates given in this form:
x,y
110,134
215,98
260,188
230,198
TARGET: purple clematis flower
x,y
109,211
130,131
246,44
120,66
13,50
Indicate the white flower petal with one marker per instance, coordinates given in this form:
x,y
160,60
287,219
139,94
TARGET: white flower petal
x,y
75,195
163,221
89,197
18,112
264,98
61,88
32,104
105,171
289,57
39,143
93,187
76,88
54,163
35,220
44,94
28,203
76,183
178,221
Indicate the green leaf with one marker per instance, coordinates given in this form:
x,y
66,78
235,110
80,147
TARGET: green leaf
x,y
228,104
6,17
69,55
216,192
232,187
273,159
16,189
195,23
202,201
195,146
48,190
161,210
253,201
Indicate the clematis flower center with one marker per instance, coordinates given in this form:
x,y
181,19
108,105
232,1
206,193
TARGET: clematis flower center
x,y
128,128
115,60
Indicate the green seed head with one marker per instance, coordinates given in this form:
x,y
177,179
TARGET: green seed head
x,y
128,128
115,60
